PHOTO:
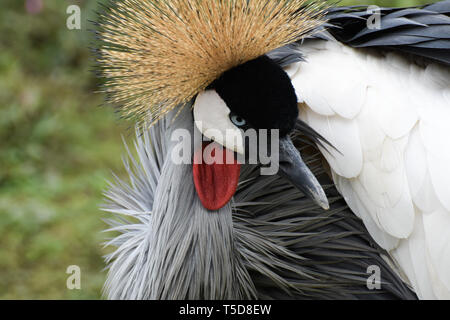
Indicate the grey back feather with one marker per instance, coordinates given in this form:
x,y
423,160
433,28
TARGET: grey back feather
x,y
169,246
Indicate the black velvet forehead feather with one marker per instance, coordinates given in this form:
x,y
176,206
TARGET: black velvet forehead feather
x,y
261,92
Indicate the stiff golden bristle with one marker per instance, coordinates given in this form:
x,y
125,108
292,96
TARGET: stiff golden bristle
x,y
157,55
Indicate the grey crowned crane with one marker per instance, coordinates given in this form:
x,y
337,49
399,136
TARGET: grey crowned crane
x,y
361,116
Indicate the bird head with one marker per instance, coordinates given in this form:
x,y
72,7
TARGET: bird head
x,y
258,96
156,56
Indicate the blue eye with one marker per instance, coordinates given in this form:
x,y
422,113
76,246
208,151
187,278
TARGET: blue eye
x,y
237,120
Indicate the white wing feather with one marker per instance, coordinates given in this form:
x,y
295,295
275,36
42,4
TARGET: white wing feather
x,y
390,120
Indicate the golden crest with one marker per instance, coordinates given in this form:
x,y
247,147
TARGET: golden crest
x,y
158,55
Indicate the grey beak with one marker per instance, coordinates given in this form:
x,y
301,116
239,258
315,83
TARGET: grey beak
x,y
295,170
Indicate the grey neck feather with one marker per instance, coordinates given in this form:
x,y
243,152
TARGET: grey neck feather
x,y
190,252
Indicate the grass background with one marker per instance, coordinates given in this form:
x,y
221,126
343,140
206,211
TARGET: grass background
x,y
57,150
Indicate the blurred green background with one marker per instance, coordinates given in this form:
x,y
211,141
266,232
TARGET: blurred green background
x,y
57,150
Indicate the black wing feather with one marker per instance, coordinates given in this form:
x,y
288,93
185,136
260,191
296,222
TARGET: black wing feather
x,y
390,24
421,31
441,7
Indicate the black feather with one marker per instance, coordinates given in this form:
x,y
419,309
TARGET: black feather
x,y
286,55
402,29
261,92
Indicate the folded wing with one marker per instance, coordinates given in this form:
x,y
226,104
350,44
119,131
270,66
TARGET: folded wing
x,y
389,119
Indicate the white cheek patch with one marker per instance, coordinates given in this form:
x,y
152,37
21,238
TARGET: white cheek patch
x,y
212,118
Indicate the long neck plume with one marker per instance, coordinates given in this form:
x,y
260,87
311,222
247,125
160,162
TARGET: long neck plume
x,y
184,251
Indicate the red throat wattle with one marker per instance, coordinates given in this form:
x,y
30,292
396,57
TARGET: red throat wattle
x,y
215,178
